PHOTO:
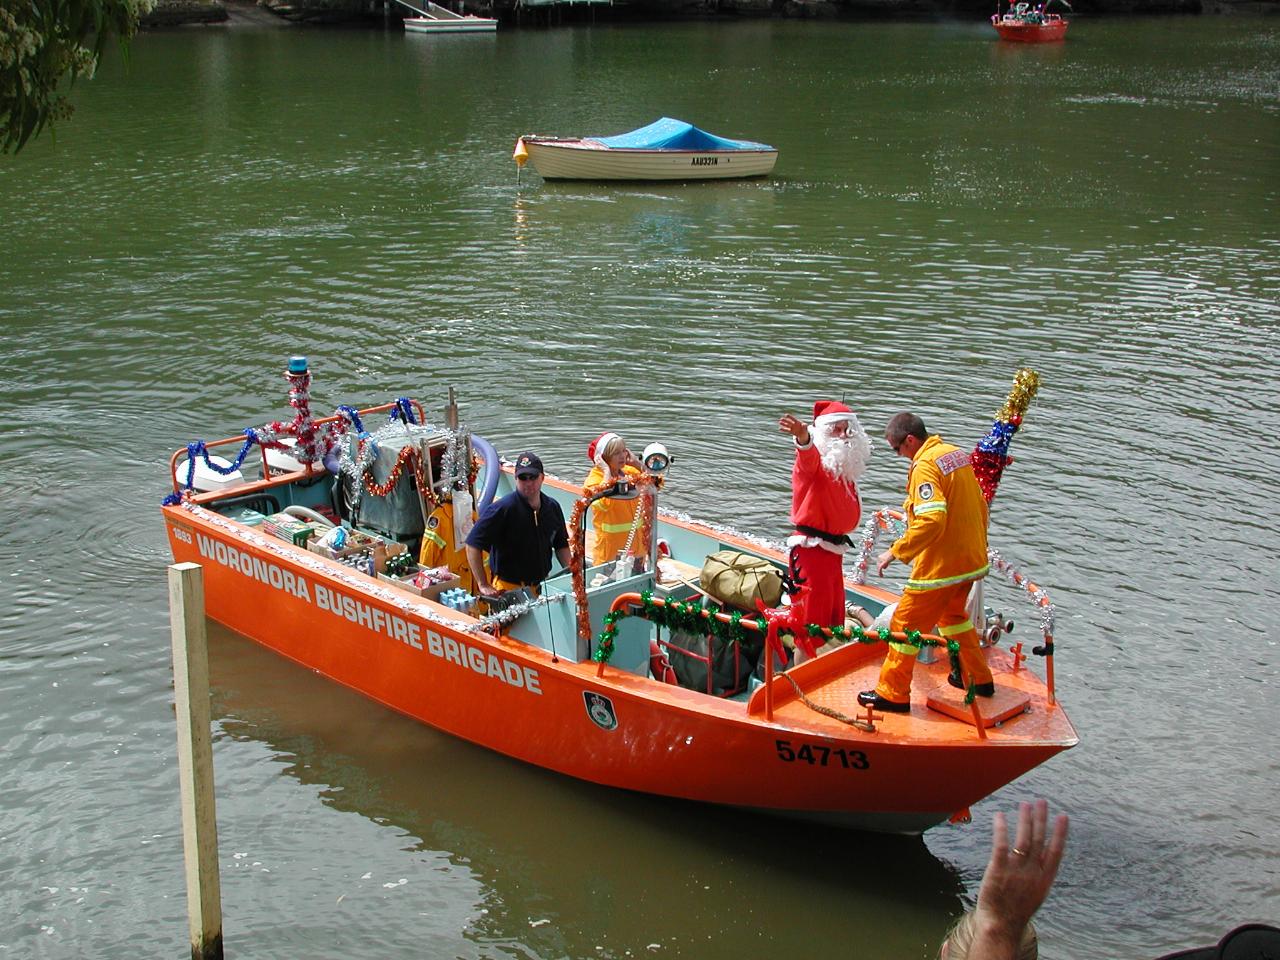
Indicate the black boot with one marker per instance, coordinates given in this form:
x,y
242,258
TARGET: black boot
x,y
981,689
869,698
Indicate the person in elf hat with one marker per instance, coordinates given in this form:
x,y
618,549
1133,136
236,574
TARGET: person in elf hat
x,y
946,545
612,520
831,456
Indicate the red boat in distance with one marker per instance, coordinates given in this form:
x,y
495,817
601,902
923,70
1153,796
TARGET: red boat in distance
x,y
1024,23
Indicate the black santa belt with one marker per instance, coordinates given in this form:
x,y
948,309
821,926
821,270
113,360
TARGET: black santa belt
x,y
793,580
839,539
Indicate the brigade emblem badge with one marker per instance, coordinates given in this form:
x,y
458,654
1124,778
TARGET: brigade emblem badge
x,y
600,710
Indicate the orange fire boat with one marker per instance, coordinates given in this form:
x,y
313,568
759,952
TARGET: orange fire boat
x,y
309,536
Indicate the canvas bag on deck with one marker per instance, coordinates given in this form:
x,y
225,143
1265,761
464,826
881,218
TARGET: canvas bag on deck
x,y
739,580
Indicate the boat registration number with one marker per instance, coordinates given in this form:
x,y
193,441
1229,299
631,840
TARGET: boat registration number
x,y
817,754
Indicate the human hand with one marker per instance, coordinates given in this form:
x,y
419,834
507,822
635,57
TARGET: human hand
x,y
1018,878
797,428
488,590
883,561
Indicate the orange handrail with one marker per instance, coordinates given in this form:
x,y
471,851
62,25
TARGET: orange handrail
x,y
175,459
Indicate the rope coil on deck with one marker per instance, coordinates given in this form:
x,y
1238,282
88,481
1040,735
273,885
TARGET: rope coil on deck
x,y
828,711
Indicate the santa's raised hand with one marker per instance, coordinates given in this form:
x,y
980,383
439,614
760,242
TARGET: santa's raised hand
x,y
798,429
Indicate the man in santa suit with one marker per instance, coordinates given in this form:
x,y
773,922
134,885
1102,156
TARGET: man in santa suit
x,y
831,456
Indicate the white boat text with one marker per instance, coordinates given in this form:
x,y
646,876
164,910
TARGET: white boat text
x,y
366,615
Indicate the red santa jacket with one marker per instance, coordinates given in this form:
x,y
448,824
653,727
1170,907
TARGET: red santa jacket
x,y
819,500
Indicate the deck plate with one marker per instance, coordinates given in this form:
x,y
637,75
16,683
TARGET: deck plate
x,y
1007,702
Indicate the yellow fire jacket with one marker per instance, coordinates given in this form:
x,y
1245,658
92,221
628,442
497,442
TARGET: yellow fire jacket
x,y
946,538
611,520
440,550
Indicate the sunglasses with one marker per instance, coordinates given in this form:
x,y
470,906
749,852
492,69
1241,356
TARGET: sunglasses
x,y
527,476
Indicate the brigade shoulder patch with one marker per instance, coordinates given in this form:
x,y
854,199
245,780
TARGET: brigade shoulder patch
x,y
924,491
953,461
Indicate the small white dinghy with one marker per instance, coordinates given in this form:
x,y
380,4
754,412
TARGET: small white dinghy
x,y
666,149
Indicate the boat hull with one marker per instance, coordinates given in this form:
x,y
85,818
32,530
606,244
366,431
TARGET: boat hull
x,y
619,729
460,25
1032,32
585,160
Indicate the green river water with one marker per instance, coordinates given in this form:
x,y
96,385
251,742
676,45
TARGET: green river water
x,y
945,209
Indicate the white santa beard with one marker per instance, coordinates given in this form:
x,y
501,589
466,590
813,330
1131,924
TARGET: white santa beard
x,y
844,458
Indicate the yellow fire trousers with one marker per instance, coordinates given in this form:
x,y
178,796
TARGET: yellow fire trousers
x,y
947,609
504,585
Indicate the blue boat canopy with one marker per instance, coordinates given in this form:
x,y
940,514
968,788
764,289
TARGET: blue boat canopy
x,y
669,134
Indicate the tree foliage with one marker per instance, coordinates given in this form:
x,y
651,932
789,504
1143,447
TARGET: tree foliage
x,y
45,44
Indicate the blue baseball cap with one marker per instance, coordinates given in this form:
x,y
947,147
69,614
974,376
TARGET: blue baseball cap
x,y
528,465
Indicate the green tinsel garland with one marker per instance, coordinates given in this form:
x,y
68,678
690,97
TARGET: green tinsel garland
x,y
688,617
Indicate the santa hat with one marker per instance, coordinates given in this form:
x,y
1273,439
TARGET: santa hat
x,y
829,411
597,447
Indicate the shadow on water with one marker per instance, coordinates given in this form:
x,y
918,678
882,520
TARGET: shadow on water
x,y
604,864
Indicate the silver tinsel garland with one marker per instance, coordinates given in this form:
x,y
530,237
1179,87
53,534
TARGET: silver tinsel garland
x,y
882,520
879,520
514,612
1035,594
359,583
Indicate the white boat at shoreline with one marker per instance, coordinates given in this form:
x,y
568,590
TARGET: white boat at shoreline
x,y
438,19
666,149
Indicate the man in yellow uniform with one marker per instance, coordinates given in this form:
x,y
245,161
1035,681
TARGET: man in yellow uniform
x,y
946,545
445,545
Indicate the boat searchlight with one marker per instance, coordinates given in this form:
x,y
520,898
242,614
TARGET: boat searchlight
x,y
656,459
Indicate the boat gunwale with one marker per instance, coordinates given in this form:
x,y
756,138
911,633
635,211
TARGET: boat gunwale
x,y
588,145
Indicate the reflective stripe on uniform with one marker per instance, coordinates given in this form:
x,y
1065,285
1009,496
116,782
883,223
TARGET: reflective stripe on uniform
x,y
955,628
948,581
434,538
907,649
931,506
613,527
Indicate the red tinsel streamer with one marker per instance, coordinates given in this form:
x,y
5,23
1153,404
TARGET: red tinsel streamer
x,y
382,489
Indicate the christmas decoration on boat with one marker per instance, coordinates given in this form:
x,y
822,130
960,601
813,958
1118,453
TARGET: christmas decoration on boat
x,y
991,455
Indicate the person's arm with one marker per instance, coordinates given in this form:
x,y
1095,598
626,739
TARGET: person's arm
x,y
562,554
475,560
1017,879
883,561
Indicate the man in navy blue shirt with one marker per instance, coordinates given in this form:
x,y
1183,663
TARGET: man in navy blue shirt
x,y
519,532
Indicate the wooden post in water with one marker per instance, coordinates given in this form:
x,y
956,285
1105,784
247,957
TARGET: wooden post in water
x,y
195,759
